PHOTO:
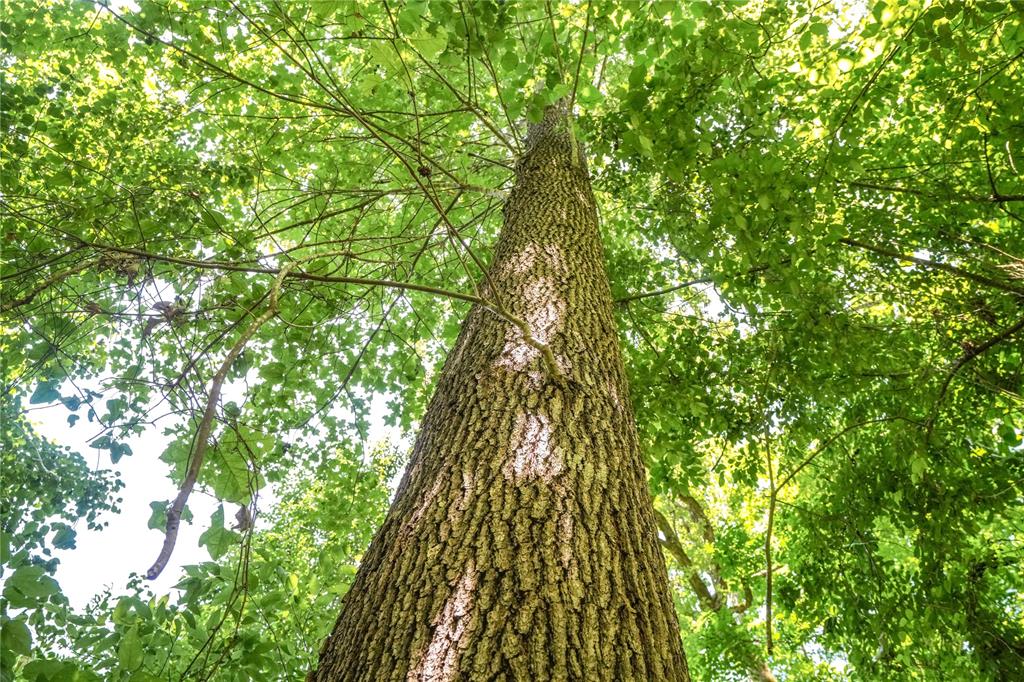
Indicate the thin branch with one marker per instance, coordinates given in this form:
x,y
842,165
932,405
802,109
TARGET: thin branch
x,y
546,354
994,198
662,292
579,60
46,283
383,320
675,547
945,267
703,280
974,353
828,442
294,274
833,136
997,196
554,42
287,97
466,102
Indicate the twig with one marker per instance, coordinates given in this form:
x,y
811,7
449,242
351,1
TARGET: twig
x,y
867,86
579,60
308,276
828,442
662,292
994,198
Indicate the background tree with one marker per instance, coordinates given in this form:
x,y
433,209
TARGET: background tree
x,y
811,223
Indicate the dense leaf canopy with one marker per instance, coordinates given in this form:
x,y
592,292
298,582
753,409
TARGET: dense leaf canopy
x,y
813,217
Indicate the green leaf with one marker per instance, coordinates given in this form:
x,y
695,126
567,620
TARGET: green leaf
x,y
229,473
129,651
217,539
918,467
384,54
56,671
121,611
176,454
429,45
637,75
119,450
411,16
509,60
646,146
158,516
29,586
16,637
65,538
325,9
46,392
213,218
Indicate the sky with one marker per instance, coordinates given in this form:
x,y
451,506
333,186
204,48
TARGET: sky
x,y
109,557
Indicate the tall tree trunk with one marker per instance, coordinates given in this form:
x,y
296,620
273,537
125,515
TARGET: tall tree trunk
x,y
522,544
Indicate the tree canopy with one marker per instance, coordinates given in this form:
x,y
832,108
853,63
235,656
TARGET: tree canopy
x,y
813,221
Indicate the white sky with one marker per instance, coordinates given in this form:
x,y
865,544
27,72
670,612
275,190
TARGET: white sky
x,y
107,558
127,545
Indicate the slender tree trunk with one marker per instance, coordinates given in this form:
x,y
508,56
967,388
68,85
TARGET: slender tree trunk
x,y
522,543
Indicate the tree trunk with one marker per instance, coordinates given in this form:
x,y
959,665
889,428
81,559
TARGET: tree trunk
x,y
522,544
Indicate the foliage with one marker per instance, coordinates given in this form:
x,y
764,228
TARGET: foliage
x,y
812,223
258,613
44,492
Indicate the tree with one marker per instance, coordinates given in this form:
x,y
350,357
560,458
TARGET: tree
x,y
253,226
521,542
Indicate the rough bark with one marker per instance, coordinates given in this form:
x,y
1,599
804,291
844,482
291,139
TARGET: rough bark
x,y
522,543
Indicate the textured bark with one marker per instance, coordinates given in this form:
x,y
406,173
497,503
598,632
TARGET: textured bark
x,y
522,543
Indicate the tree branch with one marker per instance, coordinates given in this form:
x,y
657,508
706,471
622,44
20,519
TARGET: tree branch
x,y
662,292
202,439
675,547
945,267
994,198
974,353
42,286
828,442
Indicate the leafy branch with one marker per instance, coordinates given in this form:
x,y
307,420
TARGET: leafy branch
x,y
202,438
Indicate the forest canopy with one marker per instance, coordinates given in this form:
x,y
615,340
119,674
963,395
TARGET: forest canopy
x,y
254,229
